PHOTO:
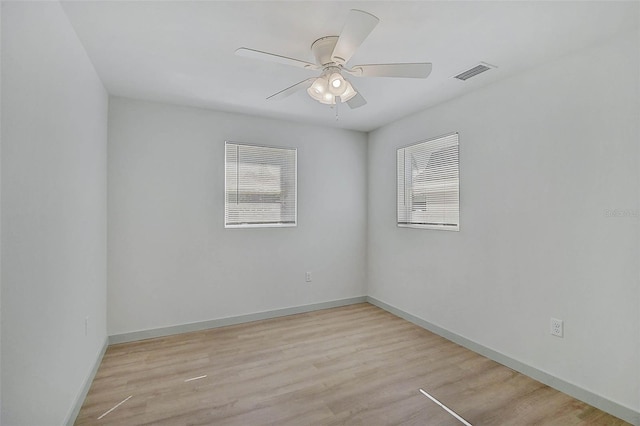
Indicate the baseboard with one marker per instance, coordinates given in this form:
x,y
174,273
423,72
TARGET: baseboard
x,y
222,322
577,392
73,414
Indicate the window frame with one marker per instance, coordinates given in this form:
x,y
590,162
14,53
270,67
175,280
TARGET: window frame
x,y
434,226
261,225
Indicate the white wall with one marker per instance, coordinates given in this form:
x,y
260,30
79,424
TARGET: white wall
x,y
172,262
542,155
54,124
0,214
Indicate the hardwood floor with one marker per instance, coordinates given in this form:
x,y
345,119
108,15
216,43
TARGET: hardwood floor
x,y
353,365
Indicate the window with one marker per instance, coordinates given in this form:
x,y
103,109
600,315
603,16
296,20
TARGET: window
x,y
260,186
428,184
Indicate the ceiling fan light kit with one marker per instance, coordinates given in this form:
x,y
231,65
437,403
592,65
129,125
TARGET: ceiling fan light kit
x,y
331,54
330,86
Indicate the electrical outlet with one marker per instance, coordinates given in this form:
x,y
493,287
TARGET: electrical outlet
x,y
307,277
557,327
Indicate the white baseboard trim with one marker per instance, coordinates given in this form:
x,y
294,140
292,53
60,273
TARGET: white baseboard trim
x,y
222,322
618,410
75,410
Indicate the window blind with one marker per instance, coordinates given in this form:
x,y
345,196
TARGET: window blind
x,y
428,184
260,186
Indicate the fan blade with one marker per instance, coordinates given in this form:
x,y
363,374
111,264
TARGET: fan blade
x,y
357,101
272,57
291,90
419,70
358,26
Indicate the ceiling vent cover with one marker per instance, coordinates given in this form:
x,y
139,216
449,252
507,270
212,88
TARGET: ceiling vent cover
x,y
478,69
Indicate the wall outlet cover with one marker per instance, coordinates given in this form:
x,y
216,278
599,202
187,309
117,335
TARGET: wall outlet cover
x,y
557,327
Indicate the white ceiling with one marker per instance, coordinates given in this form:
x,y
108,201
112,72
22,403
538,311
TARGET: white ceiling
x,y
183,52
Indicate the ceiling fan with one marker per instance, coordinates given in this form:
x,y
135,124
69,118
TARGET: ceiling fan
x,y
332,54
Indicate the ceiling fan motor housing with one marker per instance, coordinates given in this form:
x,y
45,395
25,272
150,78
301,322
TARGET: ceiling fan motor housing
x,y
323,48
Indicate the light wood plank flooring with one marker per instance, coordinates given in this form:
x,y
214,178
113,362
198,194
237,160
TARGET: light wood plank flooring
x,y
353,365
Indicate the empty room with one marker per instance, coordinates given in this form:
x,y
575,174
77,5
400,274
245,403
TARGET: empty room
x,y
319,213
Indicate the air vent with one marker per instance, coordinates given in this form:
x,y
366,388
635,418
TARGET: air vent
x,y
478,69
